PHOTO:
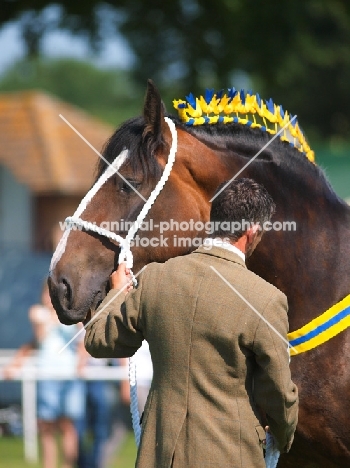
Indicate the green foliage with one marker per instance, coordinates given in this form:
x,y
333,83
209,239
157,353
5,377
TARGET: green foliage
x,y
106,94
296,52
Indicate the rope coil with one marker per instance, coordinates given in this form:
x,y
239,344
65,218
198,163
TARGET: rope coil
x,y
272,454
134,407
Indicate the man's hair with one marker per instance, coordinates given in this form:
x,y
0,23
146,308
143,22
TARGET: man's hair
x,y
242,204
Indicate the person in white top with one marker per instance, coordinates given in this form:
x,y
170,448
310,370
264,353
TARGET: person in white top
x,y
61,403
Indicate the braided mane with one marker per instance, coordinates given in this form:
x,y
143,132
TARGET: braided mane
x,y
243,108
239,121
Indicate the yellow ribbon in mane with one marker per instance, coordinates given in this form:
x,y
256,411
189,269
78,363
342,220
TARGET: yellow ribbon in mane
x,y
245,108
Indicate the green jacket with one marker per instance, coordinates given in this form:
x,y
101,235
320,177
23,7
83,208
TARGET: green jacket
x,y
217,363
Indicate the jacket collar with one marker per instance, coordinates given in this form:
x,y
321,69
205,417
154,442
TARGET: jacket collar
x,y
220,253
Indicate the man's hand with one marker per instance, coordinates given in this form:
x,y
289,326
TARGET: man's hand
x,y
267,429
120,278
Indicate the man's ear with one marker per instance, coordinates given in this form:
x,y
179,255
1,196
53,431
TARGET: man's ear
x,y
251,232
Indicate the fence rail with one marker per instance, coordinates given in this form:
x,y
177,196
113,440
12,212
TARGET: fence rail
x,y
29,374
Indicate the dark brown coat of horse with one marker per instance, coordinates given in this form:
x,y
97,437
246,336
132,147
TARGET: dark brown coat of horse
x,y
310,265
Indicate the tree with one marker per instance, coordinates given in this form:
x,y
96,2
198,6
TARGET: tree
x,y
292,50
109,95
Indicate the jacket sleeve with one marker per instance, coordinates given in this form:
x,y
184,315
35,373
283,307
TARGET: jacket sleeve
x,y
274,391
114,329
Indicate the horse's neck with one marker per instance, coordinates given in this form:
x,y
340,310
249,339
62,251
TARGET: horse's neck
x,y
311,265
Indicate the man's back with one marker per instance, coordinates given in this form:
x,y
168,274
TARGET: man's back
x,y
207,347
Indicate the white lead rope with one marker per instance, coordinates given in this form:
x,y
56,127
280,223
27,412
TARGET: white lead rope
x,y
134,406
272,453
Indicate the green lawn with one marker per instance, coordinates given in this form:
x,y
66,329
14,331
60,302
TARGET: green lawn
x,y
11,454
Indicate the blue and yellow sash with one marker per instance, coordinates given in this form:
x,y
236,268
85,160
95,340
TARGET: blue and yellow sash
x,y
322,328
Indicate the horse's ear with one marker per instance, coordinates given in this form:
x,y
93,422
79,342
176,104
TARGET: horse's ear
x,y
153,113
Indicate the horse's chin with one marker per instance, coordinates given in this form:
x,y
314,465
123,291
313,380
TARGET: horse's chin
x,y
70,318
73,316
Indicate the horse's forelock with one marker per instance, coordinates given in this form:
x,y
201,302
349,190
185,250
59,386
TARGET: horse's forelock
x,y
141,149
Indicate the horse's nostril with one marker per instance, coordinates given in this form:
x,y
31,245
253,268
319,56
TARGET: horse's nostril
x,y
65,293
64,300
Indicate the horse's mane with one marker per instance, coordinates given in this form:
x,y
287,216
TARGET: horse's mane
x,y
232,137
248,141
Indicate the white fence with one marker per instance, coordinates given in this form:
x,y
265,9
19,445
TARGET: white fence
x,y
29,374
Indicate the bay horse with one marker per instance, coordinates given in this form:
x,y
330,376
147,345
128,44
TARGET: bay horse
x,y
310,265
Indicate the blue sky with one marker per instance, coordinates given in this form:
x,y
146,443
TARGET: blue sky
x,y
115,52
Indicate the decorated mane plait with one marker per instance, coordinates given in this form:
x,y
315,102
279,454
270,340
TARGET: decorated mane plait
x,y
244,108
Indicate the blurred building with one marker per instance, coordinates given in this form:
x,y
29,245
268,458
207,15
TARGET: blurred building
x,y
45,170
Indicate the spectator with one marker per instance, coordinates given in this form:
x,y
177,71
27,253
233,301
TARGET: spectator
x,y
60,402
121,418
94,428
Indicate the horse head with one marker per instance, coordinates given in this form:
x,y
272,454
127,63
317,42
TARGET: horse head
x,y
78,281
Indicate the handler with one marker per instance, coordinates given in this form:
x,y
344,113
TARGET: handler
x,y
218,360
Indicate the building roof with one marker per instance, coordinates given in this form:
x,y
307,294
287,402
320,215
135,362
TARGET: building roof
x,y
40,148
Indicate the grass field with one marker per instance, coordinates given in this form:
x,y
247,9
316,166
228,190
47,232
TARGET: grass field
x,y
11,454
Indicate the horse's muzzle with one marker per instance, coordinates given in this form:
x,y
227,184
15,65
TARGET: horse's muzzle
x,y
62,301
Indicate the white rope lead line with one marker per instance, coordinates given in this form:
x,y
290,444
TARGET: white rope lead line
x,y
102,157
254,157
254,309
272,453
98,313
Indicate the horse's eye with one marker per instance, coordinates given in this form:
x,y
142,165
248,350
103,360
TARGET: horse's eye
x,y
128,186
